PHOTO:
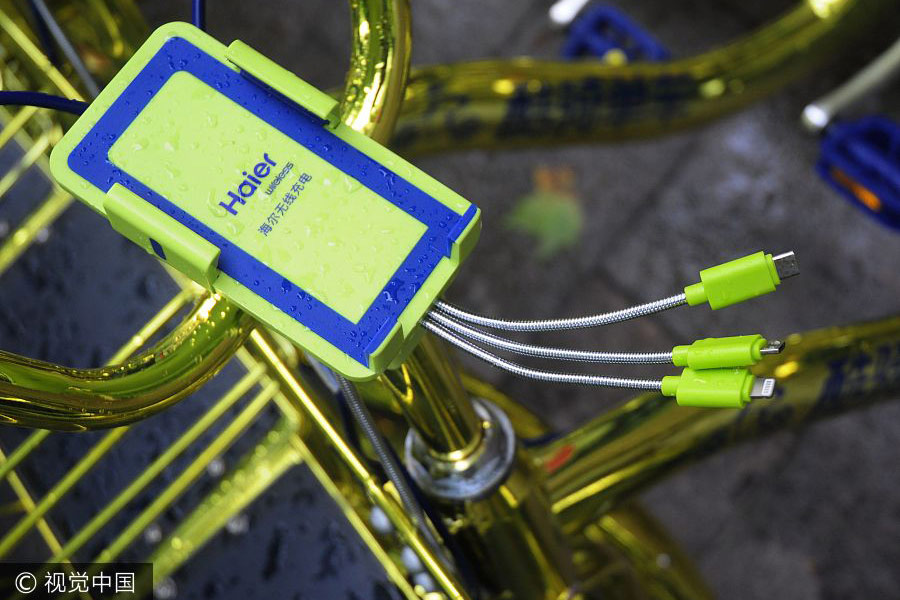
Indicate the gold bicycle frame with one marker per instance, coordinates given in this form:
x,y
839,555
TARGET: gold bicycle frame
x,y
567,501
525,101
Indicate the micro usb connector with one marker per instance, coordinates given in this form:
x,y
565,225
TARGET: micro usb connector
x,y
786,265
741,279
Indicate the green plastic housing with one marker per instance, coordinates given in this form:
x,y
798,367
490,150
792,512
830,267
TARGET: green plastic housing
x,y
710,388
341,242
715,353
734,281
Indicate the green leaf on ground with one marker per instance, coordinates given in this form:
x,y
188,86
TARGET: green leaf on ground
x,y
553,219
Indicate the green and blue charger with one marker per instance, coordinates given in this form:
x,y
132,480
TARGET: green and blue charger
x,y
241,176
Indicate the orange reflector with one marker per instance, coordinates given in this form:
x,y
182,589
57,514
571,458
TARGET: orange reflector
x,y
863,194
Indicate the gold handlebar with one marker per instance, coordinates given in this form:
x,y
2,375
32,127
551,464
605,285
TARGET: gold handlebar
x,y
379,66
526,102
39,394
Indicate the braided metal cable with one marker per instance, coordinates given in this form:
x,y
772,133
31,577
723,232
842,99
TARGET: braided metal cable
x,y
367,423
550,376
548,352
599,320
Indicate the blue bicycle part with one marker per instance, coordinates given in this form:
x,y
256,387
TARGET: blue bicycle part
x,y
603,28
861,160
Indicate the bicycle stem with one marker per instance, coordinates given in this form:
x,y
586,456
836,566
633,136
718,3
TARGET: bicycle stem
x,y
435,404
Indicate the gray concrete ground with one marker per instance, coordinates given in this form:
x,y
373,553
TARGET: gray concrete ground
x,y
806,516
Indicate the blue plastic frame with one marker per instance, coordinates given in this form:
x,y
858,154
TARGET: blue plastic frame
x,y
90,159
602,28
867,151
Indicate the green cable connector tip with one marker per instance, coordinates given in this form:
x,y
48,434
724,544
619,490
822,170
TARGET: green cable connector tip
x,y
720,353
717,388
741,279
